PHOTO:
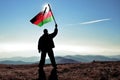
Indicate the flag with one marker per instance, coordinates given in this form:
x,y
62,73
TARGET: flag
x,y
43,17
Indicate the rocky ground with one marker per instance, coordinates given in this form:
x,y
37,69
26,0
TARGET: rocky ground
x,y
77,71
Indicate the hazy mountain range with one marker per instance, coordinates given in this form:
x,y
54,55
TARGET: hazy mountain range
x,y
59,59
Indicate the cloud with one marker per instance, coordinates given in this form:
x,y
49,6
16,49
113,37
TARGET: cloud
x,y
90,22
95,21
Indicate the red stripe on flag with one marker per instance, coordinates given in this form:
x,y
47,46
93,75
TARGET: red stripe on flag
x,y
40,17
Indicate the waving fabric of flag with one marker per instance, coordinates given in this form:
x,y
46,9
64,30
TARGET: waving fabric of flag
x,y
43,17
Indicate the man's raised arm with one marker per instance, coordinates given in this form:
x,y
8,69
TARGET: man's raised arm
x,y
55,31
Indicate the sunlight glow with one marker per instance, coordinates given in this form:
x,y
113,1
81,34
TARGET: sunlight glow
x,y
85,49
17,47
14,47
44,6
77,48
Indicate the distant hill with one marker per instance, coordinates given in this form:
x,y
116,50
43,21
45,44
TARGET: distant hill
x,y
90,58
14,62
24,59
115,56
60,60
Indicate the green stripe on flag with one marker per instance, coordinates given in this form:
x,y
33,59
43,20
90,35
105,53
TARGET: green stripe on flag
x,y
45,21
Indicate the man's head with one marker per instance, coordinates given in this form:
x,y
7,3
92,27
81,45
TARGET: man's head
x,y
45,31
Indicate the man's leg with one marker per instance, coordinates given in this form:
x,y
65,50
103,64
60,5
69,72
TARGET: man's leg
x,y
42,61
52,58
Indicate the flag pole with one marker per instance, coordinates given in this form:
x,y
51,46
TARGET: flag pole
x,y
52,14
45,10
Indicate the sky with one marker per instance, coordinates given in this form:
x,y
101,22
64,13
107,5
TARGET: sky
x,y
86,27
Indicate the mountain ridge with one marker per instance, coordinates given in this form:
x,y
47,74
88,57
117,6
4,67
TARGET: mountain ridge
x,y
59,59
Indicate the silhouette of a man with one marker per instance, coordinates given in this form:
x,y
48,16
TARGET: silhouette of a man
x,y
45,45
